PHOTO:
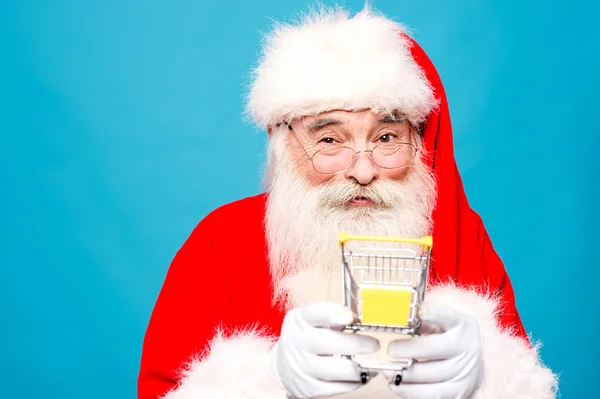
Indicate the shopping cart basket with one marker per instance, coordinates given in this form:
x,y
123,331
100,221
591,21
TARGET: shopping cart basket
x,y
384,283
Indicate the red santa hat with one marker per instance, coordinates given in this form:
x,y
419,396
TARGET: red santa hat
x,y
331,61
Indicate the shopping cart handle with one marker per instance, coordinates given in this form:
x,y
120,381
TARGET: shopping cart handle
x,y
426,241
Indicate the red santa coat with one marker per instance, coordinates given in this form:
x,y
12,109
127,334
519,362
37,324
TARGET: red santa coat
x,y
214,322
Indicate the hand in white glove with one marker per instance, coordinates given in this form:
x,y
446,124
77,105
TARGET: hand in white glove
x,y
304,356
448,360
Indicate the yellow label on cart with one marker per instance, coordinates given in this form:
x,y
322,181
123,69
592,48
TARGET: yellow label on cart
x,y
385,305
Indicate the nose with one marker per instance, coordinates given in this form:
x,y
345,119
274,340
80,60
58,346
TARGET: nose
x,y
364,170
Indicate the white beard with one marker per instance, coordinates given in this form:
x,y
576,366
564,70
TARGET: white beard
x,y
303,222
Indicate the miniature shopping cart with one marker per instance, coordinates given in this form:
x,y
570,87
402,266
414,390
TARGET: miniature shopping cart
x,y
384,283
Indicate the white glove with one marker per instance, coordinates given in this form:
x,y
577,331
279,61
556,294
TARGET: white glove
x,y
448,360
304,356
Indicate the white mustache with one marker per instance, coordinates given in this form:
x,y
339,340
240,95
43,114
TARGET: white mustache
x,y
383,193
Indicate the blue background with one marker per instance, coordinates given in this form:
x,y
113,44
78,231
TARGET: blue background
x,y
121,128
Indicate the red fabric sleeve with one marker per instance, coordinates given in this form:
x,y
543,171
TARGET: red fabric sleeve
x,y
219,279
192,303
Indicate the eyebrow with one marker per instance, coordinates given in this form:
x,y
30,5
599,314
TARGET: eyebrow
x,y
393,118
323,122
319,123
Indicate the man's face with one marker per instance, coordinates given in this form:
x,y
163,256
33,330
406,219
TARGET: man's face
x,y
322,137
306,210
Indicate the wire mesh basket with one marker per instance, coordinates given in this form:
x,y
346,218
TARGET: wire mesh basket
x,y
384,283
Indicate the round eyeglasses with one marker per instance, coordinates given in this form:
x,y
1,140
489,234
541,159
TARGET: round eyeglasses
x,y
334,159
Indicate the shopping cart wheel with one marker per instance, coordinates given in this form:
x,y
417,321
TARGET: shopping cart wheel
x,y
364,377
398,379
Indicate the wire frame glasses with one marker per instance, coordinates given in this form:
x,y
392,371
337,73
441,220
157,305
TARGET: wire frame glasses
x,y
338,159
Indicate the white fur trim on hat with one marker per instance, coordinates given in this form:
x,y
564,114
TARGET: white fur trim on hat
x,y
331,61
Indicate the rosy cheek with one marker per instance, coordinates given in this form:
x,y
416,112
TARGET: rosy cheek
x,y
316,178
305,168
393,174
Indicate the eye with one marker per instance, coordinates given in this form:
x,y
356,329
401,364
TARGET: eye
x,y
327,140
387,138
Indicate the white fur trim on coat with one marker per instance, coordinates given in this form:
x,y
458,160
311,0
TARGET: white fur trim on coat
x,y
331,61
513,368
238,367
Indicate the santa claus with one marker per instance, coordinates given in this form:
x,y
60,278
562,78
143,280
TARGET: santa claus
x,y
360,141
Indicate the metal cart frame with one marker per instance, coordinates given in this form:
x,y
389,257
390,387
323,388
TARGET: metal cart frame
x,y
379,268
